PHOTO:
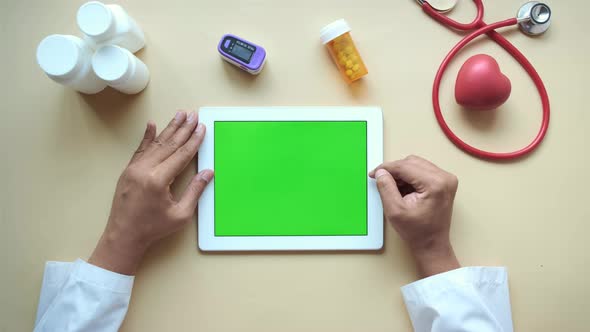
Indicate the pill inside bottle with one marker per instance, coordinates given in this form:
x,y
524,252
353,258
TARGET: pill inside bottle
x,y
336,36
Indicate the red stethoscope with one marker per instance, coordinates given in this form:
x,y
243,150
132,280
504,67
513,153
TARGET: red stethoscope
x,y
533,18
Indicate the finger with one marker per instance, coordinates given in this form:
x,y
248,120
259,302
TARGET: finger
x,y
390,195
413,159
190,198
419,161
177,139
148,137
415,175
170,129
433,168
435,173
171,167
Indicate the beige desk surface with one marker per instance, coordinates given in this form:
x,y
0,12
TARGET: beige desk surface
x,y
62,153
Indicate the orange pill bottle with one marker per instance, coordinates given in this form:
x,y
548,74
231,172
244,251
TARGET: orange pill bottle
x,y
336,37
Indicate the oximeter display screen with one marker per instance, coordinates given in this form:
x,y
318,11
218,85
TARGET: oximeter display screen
x,y
242,52
283,178
238,49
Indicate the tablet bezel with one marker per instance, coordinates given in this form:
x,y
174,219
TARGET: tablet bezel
x,y
207,241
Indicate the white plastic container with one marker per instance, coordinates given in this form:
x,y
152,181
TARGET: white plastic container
x,y
67,60
109,24
120,69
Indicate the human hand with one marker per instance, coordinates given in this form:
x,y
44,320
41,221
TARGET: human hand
x,y
417,200
144,209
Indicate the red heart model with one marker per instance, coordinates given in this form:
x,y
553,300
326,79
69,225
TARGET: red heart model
x,y
480,85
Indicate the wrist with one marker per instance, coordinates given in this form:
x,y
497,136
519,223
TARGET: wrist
x,y
434,256
118,253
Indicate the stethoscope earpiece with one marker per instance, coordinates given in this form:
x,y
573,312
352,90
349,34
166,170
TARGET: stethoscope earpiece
x,y
441,6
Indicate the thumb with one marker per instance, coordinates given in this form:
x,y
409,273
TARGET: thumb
x,y
390,195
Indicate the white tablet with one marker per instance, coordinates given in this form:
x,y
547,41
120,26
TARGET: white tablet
x,y
291,178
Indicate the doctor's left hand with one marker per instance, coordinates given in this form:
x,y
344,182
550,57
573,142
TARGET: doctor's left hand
x,y
144,209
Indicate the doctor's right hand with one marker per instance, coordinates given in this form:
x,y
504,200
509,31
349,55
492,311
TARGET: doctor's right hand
x,y
418,200
144,209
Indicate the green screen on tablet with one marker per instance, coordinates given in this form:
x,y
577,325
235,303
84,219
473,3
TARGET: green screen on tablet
x,y
290,178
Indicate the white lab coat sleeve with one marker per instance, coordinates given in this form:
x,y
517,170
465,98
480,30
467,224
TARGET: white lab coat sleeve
x,y
462,300
79,296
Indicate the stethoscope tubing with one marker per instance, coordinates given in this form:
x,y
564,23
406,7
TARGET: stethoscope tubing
x,y
483,28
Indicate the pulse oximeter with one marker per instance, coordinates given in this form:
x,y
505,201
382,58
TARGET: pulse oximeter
x,y
242,53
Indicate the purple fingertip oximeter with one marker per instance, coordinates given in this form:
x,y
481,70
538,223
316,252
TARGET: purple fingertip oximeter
x,y
242,53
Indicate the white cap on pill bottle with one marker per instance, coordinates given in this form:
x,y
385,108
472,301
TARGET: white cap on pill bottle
x,y
109,24
121,69
59,56
333,30
66,60
95,19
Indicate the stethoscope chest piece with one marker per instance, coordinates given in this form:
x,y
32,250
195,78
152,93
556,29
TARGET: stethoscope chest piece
x,y
534,18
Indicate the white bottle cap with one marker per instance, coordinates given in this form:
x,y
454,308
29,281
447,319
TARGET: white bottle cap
x,y
95,19
112,64
333,30
59,56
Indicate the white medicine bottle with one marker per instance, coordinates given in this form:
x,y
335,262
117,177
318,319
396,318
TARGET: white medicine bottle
x,y
67,60
120,69
109,24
